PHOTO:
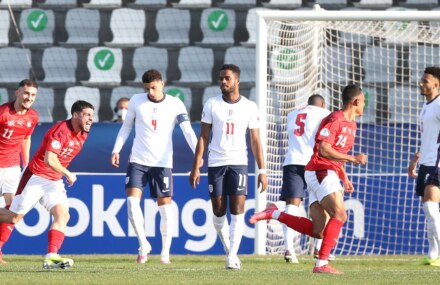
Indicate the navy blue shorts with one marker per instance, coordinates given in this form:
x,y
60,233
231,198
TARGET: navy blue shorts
x,y
425,176
294,184
160,179
227,180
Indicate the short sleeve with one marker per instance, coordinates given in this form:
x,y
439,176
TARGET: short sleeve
x,y
207,112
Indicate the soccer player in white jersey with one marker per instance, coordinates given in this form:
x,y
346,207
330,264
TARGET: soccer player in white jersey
x,y
427,185
17,123
302,125
227,118
153,115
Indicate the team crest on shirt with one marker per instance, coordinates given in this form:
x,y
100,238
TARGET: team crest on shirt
x,y
230,112
29,124
56,145
154,110
324,132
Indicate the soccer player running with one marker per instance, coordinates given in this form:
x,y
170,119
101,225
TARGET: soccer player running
x,y
227,118
17,123
154,115
427,183
41,182
334,139
302,125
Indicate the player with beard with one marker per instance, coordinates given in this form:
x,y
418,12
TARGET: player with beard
x,y
227,118
17,123
41,182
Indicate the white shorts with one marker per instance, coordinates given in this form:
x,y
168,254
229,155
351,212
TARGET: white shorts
x,y
37,189
9,179
318,190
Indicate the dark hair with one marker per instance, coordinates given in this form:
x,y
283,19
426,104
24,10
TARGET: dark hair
x,y
434,71
350,92
151,75
232,67
80,105
315,100
27,82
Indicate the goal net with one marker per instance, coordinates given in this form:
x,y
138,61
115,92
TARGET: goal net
x,y
385,52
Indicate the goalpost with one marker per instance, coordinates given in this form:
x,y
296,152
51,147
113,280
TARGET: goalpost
x,y
384,52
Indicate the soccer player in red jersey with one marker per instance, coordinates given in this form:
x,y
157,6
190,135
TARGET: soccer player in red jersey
x,y
17,122
41,182
334,139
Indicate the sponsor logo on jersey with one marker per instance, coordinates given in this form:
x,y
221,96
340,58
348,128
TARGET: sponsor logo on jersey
x,y
324,132
56,145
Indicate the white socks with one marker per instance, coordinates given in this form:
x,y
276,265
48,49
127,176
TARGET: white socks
x,y
222,227
137,220
236,230
289,234
431,210
166,229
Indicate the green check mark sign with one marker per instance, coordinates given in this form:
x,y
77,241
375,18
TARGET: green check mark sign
x,y
287,59
104,59
218,20
176,92
37,20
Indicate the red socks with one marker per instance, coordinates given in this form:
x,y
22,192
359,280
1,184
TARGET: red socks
x,y
56,239
299,224
331,235
5,233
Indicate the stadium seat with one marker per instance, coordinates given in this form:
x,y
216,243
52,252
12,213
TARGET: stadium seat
x,y
145,58
331,4
103,4
340,61
105,66
209,92
251,27
88,94
245,59
373,4
173,27
419,3
57,4
404,111
123,91
183,93
148,4
419,58
37,27
44,104
18,64
192,4
195,65
379,64
4,97
287,64
238,4
127,26
358,36
403,31
369,115
15,4
57,72
283,4
4,27
82,27
218,27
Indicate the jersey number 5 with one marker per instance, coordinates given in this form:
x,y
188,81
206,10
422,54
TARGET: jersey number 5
x,y
300,118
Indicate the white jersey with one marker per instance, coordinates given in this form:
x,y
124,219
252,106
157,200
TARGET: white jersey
x,y
154,123
430,128
302,125
230,122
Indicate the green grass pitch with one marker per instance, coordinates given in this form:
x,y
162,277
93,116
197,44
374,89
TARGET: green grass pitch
x,y
194,269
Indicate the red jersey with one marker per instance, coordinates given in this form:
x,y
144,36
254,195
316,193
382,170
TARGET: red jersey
x,y
62,140
340,133
14,128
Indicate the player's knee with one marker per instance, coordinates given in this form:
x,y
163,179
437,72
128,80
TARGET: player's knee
x,y
341,215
